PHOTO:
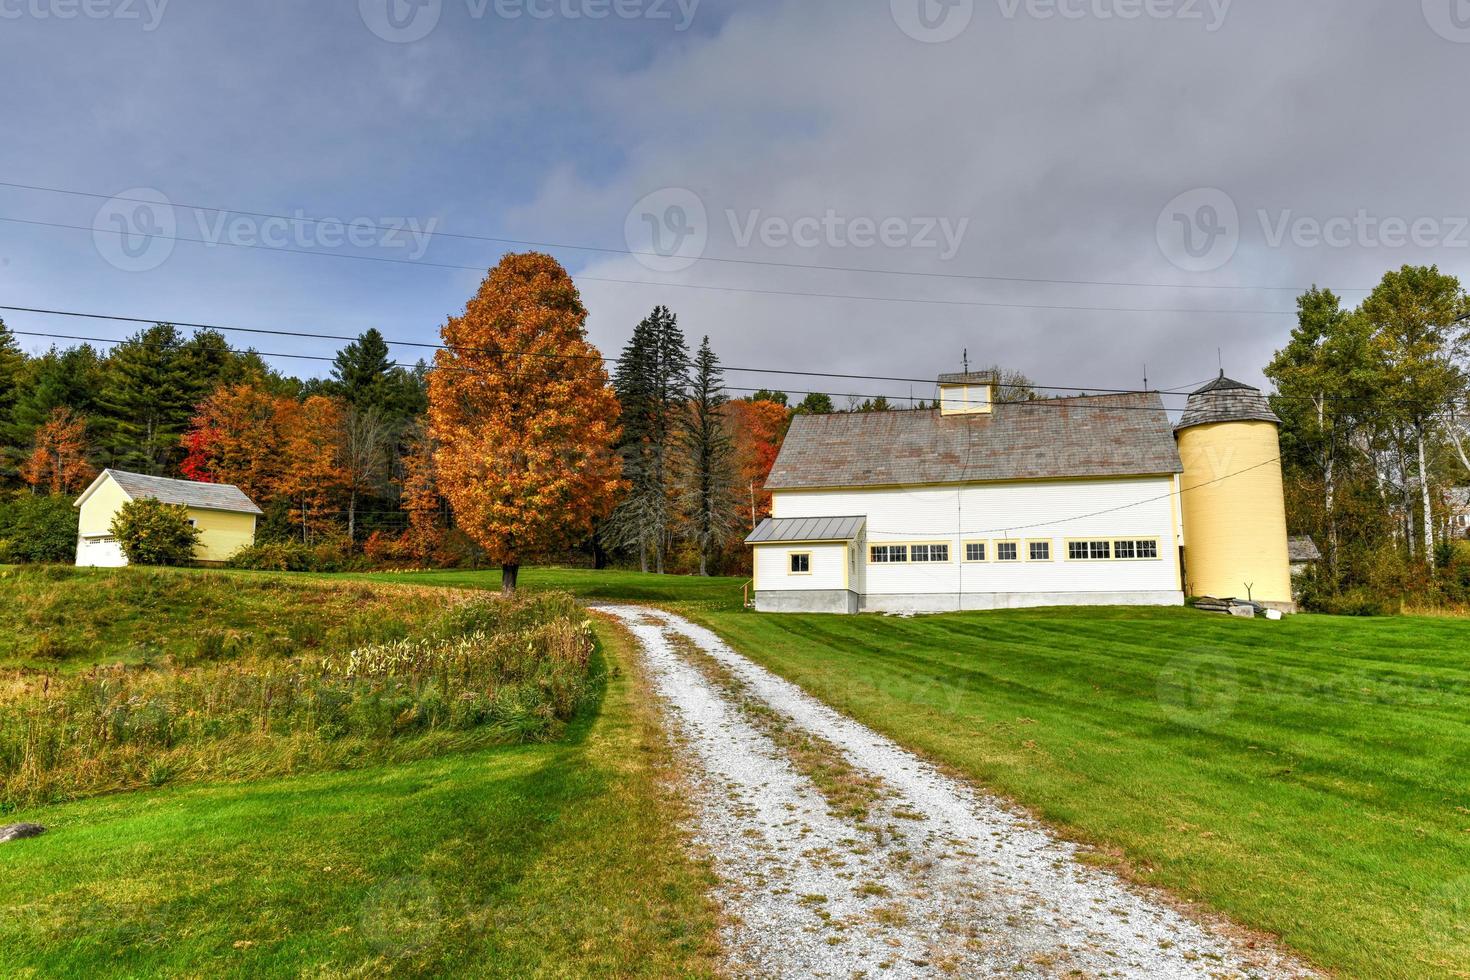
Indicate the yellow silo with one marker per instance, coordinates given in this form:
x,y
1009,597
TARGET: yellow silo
x,y
1233,499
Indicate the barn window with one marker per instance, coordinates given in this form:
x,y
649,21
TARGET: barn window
x,y
1040,550
930,553
1125,549
801,563
1007,551
1089,550
888,554
975,551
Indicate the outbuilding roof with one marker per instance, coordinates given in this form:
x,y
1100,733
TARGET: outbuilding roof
x,y
1226,400
1302,550
204,496
1092,436
807,529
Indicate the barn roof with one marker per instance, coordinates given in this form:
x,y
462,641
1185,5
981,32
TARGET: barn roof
x,y
204,496
1092,436
1226,400
1302,550
807,529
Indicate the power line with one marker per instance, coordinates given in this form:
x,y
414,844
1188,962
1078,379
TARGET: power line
x,y
424,345
767,263
979,304
1061,403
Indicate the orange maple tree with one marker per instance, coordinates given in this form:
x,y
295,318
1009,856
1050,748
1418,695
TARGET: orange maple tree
x,y
758,429
421,499
523,416
238,437
312,475
58,460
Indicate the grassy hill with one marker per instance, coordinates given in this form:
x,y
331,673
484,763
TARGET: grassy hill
x,y
559,859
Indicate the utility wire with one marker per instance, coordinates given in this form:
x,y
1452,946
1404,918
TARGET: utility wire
x,y
767,263
424,345
1059,403
669,285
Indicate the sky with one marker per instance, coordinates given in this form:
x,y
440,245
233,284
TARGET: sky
x,y
1082,190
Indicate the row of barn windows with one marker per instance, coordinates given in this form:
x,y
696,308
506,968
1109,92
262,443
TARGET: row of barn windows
x,y
1122,549
1113,549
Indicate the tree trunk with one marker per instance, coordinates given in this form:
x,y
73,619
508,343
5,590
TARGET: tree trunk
x,y
352,518
509,578
1424,491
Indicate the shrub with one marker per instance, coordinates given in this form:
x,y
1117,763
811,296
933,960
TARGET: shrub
x,y
275,556
151,532
37,529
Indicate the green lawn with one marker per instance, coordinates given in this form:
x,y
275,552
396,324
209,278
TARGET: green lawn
x,y
1310,777
546,860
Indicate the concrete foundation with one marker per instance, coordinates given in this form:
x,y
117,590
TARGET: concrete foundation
x,y
842,602
835,601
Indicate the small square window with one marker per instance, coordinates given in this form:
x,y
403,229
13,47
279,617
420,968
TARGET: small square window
x,y
1125,549
1148,549
1007,551
801,564
1040,550
975,552
1077,550
1098,550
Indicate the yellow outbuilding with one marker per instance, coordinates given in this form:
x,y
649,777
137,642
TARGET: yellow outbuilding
x,y
1233,497
223,514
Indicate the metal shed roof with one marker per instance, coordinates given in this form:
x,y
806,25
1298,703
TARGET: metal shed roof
x,y
774,531
205,496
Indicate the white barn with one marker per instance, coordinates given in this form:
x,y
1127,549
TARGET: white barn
x,y
985,505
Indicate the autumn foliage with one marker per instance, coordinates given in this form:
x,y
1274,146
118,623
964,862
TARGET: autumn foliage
x,y
58,460
758,427
523,416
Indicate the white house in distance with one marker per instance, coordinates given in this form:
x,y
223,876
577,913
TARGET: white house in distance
x,y
224,515
985,505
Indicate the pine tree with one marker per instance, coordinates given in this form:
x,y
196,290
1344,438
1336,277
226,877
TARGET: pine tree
x,y
146,400
711,455
652,385
12,366
56,379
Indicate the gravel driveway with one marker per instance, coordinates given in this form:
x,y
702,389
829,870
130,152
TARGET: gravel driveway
x,y
841,854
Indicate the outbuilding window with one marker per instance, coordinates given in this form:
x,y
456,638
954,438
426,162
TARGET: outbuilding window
x,y
801,563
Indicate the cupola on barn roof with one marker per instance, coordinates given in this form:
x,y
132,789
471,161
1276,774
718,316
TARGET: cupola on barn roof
x,y
1226,400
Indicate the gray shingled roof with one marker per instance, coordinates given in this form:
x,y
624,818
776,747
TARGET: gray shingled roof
x,y
968,378
773,530
205,496
1098,436
1302,550
1224,400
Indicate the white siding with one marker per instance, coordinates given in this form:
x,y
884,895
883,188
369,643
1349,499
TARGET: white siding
x,y
828,561
1102,509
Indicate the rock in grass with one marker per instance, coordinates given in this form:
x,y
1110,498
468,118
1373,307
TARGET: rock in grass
x,y
20,831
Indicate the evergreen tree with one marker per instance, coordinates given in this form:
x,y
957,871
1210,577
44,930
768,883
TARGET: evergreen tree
x,y
815,403
12,366
56,379
652,385
147,399
711,457
361,369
